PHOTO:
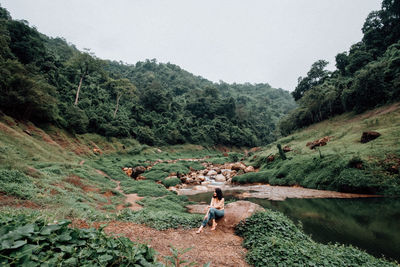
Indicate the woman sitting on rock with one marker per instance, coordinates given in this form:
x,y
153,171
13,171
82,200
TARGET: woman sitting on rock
x,y
214,211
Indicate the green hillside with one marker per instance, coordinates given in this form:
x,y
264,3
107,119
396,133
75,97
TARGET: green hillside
x,y
366,76
344,163
48,81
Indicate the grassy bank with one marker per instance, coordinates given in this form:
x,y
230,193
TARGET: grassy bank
x,y
274,240
57,173
344,164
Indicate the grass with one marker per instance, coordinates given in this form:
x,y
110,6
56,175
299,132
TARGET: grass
x,y
272,239
334,166
162,209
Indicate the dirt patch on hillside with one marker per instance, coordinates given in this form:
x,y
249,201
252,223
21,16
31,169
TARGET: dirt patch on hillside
x,y
9,201
76,181
45,137
8,130
221,248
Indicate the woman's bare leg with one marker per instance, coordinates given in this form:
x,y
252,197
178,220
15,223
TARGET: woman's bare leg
x,y
214,224
200,229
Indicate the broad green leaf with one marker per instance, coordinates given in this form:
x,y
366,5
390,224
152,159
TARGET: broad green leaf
x,y
48,229
18,243
105,257
5,244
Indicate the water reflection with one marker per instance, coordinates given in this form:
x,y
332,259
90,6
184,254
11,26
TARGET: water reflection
x,y
372,224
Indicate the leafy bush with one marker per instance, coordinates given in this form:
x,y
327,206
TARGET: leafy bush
x,y
195,165
16,183
178,167
274,240
27,241
253,177
234,157
171,182
162,219
156,175
144,188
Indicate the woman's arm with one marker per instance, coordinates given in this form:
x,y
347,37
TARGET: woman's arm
x,y
220,204
212,203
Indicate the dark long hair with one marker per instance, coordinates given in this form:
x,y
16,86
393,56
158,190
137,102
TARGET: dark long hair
x,y
219,193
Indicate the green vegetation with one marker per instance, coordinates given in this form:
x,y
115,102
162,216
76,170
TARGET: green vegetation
x,y
365,77
273,240
16,183
46,80
31,241
344,164
162,209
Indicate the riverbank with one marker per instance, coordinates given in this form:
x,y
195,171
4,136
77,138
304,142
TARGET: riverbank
x,y
274,192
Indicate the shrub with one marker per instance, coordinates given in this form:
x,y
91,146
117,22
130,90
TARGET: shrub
x,y
171,182
162,219
274,240
178,167
144,188
16,183
234,157
156,175
27,241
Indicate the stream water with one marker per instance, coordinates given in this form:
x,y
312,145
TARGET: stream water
x,y
371,224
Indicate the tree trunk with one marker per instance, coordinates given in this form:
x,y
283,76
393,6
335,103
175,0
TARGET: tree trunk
x,y
116,108
79,89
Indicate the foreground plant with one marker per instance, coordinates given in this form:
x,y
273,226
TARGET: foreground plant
x,y
29,241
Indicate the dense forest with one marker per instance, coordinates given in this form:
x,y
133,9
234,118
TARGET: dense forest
x,y
366,76
47,80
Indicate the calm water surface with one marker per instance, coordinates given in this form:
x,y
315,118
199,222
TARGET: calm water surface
x,y
372,224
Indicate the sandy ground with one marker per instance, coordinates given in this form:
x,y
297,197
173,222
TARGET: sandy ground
x,y
220,247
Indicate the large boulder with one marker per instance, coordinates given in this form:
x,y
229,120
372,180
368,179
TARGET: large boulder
x,y
220,178
369,136
238,166
211,173
138,171
234,212
249,169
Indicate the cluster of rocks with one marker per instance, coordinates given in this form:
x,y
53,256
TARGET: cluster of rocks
x,y
212,175
136,172
319,142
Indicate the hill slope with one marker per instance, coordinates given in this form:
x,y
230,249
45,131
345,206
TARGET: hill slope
x,y
47,80
344,163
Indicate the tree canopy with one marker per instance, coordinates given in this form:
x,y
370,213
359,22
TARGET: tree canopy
x,y
366,76
47,80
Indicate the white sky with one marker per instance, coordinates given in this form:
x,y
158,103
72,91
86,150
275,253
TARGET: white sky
x,y
271,41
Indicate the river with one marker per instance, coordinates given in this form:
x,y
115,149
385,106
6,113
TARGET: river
x,y
371,224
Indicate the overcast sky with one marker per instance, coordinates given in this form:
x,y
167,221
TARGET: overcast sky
x,y
270,41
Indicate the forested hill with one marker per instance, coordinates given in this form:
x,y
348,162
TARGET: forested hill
x,y
47,80
366,76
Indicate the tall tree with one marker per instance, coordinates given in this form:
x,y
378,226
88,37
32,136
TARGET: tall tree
x,y
85,64
315,76
121,87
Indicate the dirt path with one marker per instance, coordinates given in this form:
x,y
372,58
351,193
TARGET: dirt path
x,y
129,198
220,247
